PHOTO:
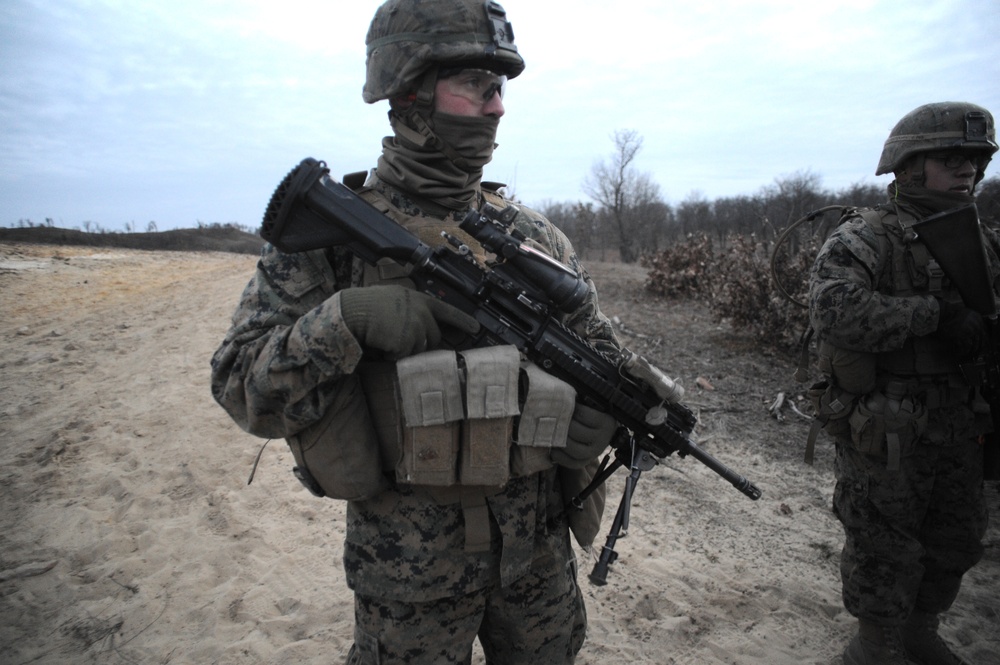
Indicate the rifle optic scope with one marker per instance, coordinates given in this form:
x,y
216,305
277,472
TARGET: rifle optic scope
x,y
558,284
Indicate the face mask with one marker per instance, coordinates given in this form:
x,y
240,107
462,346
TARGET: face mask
x,y
440,158
471,138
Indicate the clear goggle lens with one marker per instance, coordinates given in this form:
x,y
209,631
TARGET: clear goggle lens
x,y
476,85
953,160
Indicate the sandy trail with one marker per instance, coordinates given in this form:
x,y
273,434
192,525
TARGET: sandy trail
x,y
130,535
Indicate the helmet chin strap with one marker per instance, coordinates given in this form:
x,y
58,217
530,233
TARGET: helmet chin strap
x,y
913,174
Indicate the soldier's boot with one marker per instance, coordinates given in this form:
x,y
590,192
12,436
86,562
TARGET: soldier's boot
x,y
923,644
876,644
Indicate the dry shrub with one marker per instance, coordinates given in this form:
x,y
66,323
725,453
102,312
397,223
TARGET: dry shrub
x,y
681,271
737,285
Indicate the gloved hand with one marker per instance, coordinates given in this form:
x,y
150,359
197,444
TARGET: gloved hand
x,y
590,432
963,328
399,321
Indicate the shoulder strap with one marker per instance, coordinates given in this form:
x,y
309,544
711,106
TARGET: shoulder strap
x,y
875,218
495,198
913,265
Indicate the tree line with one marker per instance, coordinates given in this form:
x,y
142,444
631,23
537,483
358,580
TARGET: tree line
x,y
627,217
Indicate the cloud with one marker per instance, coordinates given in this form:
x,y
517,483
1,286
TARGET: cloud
x,y
131,111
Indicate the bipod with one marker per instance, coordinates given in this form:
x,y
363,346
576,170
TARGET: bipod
x,y
638,460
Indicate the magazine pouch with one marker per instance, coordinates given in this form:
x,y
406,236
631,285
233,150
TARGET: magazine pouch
x,y
491,381
544,422
430,391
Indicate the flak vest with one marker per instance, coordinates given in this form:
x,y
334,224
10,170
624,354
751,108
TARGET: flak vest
x,y
455,425
881,401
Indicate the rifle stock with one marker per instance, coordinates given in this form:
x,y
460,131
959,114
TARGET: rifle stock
x,y
953,238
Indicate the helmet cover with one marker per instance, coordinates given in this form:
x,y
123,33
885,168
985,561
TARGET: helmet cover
x,y
407,37
938,126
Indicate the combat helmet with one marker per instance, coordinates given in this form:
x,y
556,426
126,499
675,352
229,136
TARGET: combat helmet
x,y
939,126
407,37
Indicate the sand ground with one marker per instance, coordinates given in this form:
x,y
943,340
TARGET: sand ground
x,y
129,532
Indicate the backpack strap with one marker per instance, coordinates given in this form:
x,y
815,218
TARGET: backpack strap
x,y
874,217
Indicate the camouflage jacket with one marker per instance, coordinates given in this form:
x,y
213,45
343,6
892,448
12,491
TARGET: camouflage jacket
x,y
852,303
855,300
861,299
279,368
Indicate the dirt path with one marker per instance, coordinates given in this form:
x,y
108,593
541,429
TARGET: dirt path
x,y
129,533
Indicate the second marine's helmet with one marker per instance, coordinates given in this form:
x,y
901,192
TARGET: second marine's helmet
x,y
407,37
939,126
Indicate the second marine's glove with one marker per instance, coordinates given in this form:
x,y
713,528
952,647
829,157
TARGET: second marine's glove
x,y
590,432
399,321
962,328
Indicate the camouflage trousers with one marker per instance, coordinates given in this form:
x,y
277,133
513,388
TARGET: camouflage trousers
x,y
540,618
911,534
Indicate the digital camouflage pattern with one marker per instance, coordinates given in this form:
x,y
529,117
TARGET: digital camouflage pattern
x,y
910,533
407,37
278,370
423,578
540,618
847,308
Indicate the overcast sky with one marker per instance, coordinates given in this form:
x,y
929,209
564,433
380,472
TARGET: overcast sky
x,y
187,111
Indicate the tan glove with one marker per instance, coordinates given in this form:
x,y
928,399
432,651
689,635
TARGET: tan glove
x,y
399,321
590,432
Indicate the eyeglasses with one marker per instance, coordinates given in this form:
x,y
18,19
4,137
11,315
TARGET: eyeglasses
x,y
476,85
953,160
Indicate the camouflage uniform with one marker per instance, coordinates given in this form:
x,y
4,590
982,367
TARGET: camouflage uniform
x,y
432,568
912,532
896,335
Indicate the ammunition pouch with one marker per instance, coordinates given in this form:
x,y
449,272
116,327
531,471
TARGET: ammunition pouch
x,y
430,394
887,424
436,419
544,422
491,403
852,374
884,424
457,421
831,407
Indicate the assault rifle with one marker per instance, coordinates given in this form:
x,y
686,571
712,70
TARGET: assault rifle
x,y
954,239
516,301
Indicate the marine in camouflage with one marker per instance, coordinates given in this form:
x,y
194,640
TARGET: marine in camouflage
x,y
426,583
910,533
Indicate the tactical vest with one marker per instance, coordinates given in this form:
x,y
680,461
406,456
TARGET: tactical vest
x,y
456,425
882,400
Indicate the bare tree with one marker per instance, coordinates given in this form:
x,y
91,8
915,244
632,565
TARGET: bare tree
x,y
630,200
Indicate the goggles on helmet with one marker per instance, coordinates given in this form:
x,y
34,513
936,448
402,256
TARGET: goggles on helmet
x,y
476,85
